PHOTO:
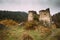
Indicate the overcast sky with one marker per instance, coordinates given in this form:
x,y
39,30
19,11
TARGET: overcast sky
x,y
26,5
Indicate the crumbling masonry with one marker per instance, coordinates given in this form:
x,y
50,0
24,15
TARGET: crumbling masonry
x,y
44,17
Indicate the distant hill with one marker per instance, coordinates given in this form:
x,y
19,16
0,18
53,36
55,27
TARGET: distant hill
x,y
16,16
56,19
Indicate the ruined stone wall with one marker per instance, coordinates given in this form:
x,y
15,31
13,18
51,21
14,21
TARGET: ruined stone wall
x,y
45,17
31,15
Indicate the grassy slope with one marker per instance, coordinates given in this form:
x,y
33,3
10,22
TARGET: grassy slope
x,y
17,33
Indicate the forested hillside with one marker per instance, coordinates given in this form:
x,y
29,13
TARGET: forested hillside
x,y
16,16
56,19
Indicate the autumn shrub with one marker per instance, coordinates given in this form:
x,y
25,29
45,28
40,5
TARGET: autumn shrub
x,y
8,22
31,25
53,26
26,36
44,31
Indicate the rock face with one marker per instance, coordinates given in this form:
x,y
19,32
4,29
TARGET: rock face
x,y
31,15
45,17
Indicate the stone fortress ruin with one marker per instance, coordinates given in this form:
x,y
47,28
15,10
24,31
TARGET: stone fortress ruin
x,y
44,17
32,15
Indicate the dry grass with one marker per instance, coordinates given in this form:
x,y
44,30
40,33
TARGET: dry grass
x,y
26,36
19,33
26,33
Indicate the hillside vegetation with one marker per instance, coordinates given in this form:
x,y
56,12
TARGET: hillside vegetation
x,y
33,30
56,19
8,22
16,16
19,33
29,31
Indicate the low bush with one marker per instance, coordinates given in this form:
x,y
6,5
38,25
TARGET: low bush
x,y
8,22
31,25
26,36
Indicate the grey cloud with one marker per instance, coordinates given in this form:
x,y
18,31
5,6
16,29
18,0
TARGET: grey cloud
x,y
1,1
54,5
9,1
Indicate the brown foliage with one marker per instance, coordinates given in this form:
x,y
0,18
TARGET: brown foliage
x,y
25,36
31,25
8,22
44,31
53,26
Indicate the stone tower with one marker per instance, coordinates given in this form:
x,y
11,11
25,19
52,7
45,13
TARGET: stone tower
x,y
45,17
31,15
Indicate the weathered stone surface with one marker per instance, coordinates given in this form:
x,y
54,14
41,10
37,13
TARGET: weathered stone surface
x,y
45,17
